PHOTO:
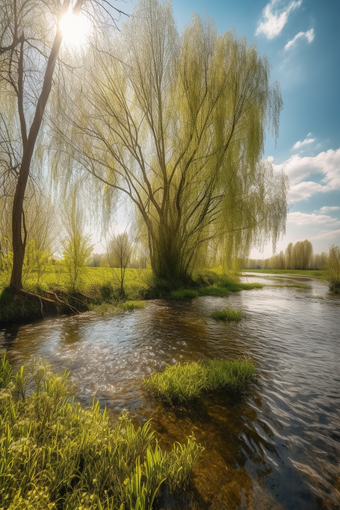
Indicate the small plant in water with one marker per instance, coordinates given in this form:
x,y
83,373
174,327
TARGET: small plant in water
x,y
185,382
227,315
55,455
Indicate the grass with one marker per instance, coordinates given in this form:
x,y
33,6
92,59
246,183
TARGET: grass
x,y
317,273
97,282
183,294
98,292
215,284
56,455
186,382
132,305
227,315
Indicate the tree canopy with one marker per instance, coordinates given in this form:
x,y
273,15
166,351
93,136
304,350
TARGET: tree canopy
x,y
177,123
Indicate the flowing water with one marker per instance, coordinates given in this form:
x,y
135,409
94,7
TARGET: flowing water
x,y
276,445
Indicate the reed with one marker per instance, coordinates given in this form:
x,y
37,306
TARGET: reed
x,y
56,455
186,382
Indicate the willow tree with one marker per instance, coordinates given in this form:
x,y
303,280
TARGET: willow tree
x,y
177,124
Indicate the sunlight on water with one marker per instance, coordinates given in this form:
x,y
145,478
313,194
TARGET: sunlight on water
x,y
277,445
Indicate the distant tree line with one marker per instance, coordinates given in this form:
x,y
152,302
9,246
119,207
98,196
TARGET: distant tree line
x,y
296,256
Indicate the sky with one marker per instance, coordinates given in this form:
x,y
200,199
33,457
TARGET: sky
x,y
301,39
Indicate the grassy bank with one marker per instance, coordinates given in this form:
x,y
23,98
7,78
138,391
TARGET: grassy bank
x,y
209,283
53,295
98,291
186,382
55,455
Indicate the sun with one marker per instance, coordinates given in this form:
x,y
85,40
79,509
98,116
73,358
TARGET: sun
x,y
75,30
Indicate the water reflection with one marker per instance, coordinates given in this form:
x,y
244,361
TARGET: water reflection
x,y
275,446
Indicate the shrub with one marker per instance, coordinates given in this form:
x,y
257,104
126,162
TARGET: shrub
x,y
185,382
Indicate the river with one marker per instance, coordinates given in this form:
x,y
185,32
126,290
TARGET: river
x,y
274,446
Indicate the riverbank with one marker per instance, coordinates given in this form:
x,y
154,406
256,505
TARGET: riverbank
x,y
56,454
99,292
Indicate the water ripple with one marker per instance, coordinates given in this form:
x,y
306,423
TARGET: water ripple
x,y
277,445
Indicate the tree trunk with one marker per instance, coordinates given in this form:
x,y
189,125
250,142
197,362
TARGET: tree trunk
x,y
168,261
17,215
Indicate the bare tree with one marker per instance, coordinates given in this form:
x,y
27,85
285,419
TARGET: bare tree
x,y
119,253
76,244
176,124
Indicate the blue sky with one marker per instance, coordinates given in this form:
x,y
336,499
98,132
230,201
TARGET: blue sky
x,y
302,41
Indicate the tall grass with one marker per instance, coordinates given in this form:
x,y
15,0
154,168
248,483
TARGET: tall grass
x,y
56,455
185,382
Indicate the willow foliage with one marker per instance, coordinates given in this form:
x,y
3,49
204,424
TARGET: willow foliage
x,y
177,124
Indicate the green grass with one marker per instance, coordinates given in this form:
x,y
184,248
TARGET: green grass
x,y
99,292
183,294
56,455
318,273
213,290
186,382
132,305
213,284
95,281
227,315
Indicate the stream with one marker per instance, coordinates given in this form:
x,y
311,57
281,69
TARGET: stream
x,y
276,445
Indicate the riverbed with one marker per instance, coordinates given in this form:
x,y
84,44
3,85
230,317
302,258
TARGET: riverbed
x,y
276,445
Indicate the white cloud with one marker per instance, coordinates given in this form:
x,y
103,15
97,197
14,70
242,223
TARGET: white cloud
x,y
299,218
274,19
309,35
304,190
326,163
328,208
326,235
306,141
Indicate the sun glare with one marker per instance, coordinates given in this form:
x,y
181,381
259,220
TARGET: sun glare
x,y
75,30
